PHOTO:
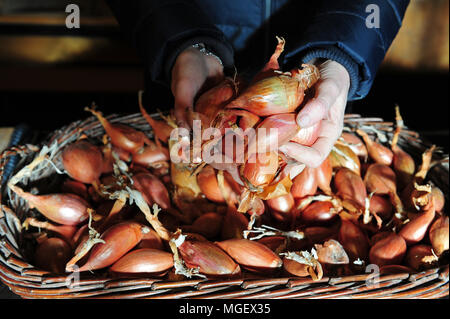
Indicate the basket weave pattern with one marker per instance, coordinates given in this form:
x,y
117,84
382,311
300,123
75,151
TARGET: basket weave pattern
x,y
27,281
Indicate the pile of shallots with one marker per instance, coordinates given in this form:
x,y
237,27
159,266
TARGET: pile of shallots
x,y
125,208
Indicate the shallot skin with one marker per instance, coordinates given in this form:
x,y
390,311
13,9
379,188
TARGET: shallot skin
x,y
251,255
119,239
65,209
145,260
82,161
53,254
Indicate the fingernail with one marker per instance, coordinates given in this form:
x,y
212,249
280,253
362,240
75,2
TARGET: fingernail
x,y
304,121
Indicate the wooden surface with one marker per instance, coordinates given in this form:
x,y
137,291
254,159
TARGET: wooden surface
x,y
5,135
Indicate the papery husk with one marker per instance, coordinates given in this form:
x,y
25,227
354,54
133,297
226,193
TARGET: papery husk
x,y
438,235
378,153
209,259
148,261
331,253
343,156
421,257
251,255
388,251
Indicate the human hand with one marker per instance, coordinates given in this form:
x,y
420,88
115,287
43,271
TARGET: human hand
x,y
192,71
328,105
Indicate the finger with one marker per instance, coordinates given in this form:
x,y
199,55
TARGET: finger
x,y
317,109
184,92
314,156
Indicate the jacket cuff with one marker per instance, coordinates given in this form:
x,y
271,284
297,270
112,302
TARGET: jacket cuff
x,y
335,54
220,48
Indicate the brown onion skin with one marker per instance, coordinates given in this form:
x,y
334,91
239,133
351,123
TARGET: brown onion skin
x,y
208,258
52,255
438,235
350,186
126,138
388,251
152,189
414,231
65,209
279,94
380,179
324,175
207,181
331,252
143,261
119,239
414,257
352,162
395,269
150,155
305,183
280,207
83,161
151,240
261,169
439,198
75,187
273,242
234,223
404,167
354,241
356,144
381,206
318,213
213,100
318,235
251,255
295,268
208,225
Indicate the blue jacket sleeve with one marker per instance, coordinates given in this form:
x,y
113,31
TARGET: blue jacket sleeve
x,y
161,29
339,31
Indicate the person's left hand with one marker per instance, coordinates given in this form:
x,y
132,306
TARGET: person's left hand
x,y
327,106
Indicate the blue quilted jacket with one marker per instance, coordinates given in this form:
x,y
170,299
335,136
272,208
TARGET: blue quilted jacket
x,y
242,32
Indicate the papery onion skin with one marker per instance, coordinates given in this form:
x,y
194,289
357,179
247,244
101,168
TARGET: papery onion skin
x,y
83,161
119,239
319,213
350,186
260,169
355,144
208,258
380,179
145,260
354,241
343,156
65,209
404,167
280,207
207,181
251,255
52,255
305,183
324,175
388,251
151,155
438,235
414,257
414,231
152,189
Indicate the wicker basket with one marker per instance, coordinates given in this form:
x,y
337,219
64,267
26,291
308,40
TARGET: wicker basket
x,y
26,280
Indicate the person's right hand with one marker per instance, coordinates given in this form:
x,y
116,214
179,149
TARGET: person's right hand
x,y
192,71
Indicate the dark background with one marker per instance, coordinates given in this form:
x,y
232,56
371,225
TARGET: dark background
x,y
48,73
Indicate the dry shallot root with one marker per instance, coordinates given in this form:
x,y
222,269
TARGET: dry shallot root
x,y
126,208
